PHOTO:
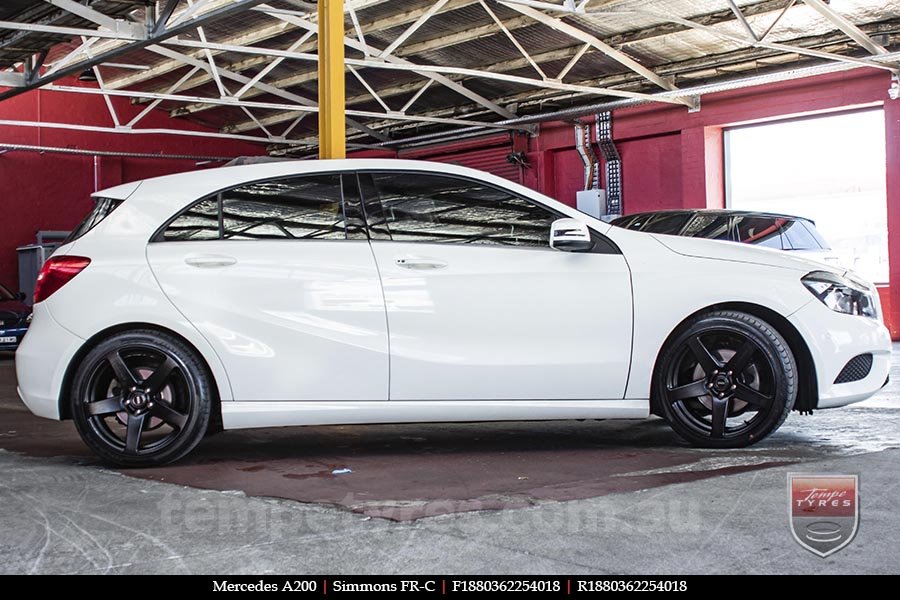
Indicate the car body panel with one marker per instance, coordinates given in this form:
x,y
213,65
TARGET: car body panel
x,y
291,314
500,322
670,279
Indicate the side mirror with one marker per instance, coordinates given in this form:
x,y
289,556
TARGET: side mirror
x,y
570,235
21,296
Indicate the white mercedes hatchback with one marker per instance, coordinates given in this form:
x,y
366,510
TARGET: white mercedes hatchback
x,y
387,291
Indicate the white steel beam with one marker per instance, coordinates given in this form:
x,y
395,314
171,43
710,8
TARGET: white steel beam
x,y
757,43
171,90
847,26
412,28
250,37
89,14
295,108
107,55
513,39
431,74
73,31
435,72
185,59
594,41
762,7
124,130
373,26
742,19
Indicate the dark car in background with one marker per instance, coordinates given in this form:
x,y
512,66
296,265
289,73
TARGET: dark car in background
x,y
15,316
770,230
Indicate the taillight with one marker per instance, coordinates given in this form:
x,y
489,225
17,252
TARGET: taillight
x,y
57,272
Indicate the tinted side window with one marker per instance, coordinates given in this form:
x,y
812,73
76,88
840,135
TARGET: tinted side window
x,y
199,222
632,222
102,209
419,207
713,227
670,224
811,228
799,238
306,207
761,231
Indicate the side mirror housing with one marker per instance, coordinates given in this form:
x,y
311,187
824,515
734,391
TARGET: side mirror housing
x,y
570,235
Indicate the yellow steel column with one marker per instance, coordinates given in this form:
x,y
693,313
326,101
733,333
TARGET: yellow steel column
x,y
332,132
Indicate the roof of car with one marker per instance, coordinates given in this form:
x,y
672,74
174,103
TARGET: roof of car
x,y
714,211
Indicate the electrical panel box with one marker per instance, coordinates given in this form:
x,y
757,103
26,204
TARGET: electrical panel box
x,y
591,202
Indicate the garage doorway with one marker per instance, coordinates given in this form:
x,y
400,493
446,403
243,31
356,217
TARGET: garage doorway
x,y
830,169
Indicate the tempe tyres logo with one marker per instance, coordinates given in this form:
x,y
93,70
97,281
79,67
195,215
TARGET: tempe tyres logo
x,y
824,511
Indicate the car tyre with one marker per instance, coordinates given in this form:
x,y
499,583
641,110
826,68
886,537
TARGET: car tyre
x,y
727,379
141,398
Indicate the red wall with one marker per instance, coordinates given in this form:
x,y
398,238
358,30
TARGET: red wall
x,y
52,191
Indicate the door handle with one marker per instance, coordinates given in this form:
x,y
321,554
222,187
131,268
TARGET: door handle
x,y
418,263
210,261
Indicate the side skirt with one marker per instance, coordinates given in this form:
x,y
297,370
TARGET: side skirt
x,y
244,415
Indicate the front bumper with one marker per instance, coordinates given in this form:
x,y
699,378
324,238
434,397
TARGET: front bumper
x,y
11,332
41,362
834,339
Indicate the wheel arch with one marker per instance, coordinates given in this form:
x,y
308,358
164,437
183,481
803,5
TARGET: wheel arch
x,y
807,384
65,412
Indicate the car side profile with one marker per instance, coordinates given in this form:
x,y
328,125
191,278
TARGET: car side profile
x,y
387,291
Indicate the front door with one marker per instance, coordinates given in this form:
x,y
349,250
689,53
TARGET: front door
x,y
480,307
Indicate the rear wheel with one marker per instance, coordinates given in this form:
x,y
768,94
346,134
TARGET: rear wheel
x,y
727,380
141,398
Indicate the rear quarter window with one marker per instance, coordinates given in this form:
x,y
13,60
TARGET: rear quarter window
x,y
103,207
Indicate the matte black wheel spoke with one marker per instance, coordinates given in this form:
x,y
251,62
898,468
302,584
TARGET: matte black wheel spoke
x,y
708,362
133,435
691,390
105,407
741,358
123,374
753,397
157,381
720,409
169,415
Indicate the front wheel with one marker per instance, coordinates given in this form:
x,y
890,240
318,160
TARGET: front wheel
x,y
727,380
141,398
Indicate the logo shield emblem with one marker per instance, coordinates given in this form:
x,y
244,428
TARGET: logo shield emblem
x,y
824,511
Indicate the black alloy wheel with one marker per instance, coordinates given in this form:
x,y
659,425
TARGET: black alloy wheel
x,y
141,398
727,380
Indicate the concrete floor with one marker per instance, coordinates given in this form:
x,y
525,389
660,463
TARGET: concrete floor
x,y
557,497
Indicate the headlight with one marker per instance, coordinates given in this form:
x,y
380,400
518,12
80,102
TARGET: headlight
x,y
841,294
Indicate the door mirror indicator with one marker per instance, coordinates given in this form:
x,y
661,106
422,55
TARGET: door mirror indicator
x,y
570,235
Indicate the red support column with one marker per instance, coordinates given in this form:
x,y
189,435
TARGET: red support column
x,y
702,167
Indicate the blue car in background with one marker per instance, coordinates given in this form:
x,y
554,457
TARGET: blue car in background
x,y
15,316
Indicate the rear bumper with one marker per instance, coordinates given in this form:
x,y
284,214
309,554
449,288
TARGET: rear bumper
x,y
41,362
834,339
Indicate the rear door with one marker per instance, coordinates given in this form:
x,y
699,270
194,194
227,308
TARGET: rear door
x,y
283,284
